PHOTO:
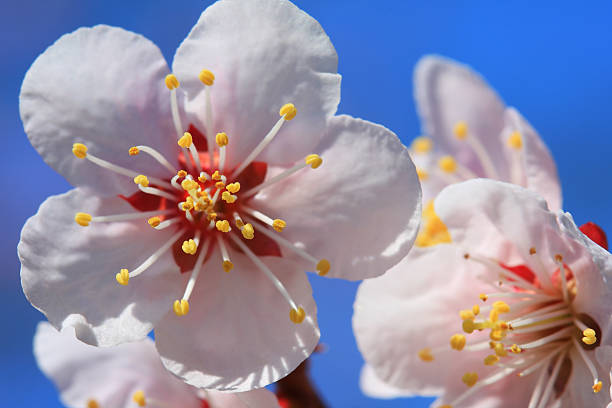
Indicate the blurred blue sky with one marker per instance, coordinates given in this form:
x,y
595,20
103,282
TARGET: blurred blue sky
x,y
552,60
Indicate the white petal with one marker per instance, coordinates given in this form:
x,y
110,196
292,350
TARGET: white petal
x,y
360,209
264,54
104,87
372,386
448,92
239,315
261,398
108,375
579,387
540,168
68,271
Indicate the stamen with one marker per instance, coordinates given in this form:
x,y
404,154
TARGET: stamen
x,y
589,364
296,313
156,255
421,145
426,355
196,272
551,381
528,321
157,192
277,224
499,375
287,112
172,83
559,262
540,270
84,219
208,79
139,398
92,403
166,223
537,391
312,160
223,226
227,263
547,339
422,174
481,153
154,154
222,141
512,279
541,325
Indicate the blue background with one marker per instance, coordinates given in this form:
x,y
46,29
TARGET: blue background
x,y
551,61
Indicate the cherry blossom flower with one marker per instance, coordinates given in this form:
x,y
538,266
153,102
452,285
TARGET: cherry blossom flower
x,y
470,133
126,376
245,180
515,312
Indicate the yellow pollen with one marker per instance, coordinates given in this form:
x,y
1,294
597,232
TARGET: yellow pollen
x,y
558,258
248,232
323,267
491,359
182,174
123,277
313,160
239,223
468,326
227,266
447,164
460,130
141,180
83,219
220,185
532,251
216,175
466,314
476,310
187,205
421,144
597,387
221,139
227,197
445,406
497,335
211,216
279,225
79,150
588,333
470,379
207,77
297,315
425,355
154,221
92,403
483,297
515,140
500,350
180,307
202,178
189,247
133,151
233,187
501,307
186,140
590,336
288,111
515,349
433,230
457,341
188,184
493,315
199,206
422,174
223,225
171,81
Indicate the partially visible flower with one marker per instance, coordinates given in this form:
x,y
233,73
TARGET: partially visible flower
x,y
515,312
126,376
470,133
246,180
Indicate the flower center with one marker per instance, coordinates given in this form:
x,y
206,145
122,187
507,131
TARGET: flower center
x,y
207,205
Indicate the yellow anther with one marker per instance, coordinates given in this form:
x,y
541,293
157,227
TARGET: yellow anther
x,y
216,175
223,225
491,359
233,187
460,130
133,151
187,205
501,325
211,216
422,174
181,174
227,266
421,144
497,335
323,267
190,247
248,232
500,350
433,231
501,307
476,310
185,140
288,111
457,341
470,379
297,315
589,333
239,223
141,180
515,140
425,355
202,178
445,406
171,81
207,77
79,150
154,221
589,340
483,297
515,349
532,251
597,387
279,225
180,307
83,219
466,314
221,139
92,403
493,315
139,398
199,206
447,164
220,185
123,277
468,326
227,197
313,160
189,184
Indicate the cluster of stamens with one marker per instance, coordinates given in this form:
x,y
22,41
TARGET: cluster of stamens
x,y
206,202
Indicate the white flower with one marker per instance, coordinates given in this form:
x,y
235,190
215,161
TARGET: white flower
x,y
470,133
125,376
258,91
514,313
